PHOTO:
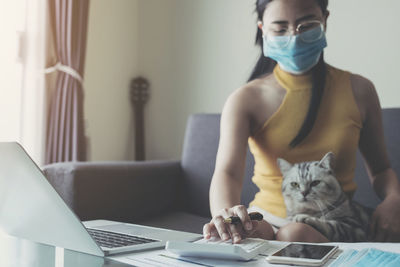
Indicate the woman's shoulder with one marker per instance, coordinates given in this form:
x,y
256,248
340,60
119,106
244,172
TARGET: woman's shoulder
x,y
258,99
363,89
357,80
256,88
254,94
364,93
362,86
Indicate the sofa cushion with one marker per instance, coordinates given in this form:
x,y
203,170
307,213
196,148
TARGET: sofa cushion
x,y
198,163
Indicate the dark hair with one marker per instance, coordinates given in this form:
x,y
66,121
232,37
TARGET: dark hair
x,y
266,65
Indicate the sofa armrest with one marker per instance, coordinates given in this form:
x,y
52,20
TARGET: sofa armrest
x,y
120,191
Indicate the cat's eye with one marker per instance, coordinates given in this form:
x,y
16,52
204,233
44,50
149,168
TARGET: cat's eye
x,y
294,184
315,183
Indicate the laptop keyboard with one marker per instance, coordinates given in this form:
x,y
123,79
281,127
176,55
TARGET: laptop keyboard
x,y
114,240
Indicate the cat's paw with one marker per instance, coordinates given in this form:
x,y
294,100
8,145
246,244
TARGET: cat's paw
x,y
301,218
311,220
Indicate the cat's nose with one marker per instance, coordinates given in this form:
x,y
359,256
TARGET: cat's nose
x,y
304,193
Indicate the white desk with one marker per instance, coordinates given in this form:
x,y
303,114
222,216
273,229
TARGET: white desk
x,y
164,258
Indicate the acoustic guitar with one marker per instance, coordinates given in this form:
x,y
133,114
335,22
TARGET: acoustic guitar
x,y
139,97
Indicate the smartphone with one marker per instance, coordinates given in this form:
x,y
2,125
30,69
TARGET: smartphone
x,y
303,254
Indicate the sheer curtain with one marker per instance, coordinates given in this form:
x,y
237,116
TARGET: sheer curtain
x,y
66,139
22,95
33,100
43,112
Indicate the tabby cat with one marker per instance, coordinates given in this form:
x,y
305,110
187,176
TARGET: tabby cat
x,y
313,196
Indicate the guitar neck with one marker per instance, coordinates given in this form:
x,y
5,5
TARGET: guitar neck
x,y
139,96
139,131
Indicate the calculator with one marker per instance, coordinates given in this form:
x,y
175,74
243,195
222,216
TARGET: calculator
x,y
217,249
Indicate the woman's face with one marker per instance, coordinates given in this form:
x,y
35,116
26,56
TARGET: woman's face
x,y
283,15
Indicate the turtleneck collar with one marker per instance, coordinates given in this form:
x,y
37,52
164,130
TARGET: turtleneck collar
x,y
292,82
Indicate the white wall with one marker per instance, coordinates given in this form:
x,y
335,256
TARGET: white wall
x,y
195,53
111,62
364,38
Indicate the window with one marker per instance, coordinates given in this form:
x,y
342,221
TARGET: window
x,y
12,21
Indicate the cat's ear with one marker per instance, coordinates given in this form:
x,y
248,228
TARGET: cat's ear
x,y
284,165
328,161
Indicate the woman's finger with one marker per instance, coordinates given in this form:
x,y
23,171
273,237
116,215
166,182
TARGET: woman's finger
x,y
221,228
254,225
241,212
214,233
235,233
207,230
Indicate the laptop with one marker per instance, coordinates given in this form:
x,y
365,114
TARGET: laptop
x,y
30,208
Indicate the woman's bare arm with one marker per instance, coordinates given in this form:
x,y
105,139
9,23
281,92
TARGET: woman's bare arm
x,y
227,182
226,185
385,224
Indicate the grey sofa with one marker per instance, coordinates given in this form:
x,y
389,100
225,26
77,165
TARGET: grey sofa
x,y
174,194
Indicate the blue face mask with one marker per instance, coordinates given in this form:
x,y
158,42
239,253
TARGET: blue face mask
x,y
366,258
378,258
292,53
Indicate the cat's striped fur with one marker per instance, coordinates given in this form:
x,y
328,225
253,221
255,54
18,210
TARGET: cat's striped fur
x,y
313,196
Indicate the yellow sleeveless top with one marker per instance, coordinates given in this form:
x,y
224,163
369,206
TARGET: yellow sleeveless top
x,y
336,129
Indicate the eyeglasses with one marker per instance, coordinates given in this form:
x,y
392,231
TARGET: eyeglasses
x,y
309,31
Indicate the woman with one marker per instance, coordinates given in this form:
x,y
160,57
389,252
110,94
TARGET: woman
x,y
298,109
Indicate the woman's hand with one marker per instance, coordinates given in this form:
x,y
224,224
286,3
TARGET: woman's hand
x,y
385,222
236,232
